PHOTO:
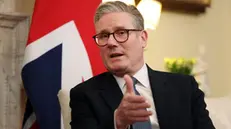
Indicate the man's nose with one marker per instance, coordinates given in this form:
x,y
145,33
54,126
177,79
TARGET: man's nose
x,y
111,41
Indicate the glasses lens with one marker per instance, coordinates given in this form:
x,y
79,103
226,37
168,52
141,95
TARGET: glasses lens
x,y
121,35
101,39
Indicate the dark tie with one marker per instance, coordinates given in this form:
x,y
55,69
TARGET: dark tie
x,y
140,125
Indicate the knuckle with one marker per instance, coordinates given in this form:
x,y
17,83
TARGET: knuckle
x,y
128,97
124,98
125,105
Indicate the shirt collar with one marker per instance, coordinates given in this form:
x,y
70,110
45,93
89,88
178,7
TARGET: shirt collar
x,y
142,76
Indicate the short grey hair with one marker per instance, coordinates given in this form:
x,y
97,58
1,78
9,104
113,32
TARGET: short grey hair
x,y
118,6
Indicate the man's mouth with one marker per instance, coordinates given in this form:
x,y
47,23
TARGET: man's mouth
x,y
116,55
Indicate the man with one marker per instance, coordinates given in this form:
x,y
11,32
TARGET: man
x,y
131,94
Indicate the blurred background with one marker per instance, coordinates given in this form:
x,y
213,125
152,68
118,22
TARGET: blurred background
x,y
182,34
195,29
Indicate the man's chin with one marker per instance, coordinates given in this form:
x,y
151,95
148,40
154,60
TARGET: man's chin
x,y
118,70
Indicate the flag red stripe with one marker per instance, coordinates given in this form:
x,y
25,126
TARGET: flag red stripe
x,y
50,14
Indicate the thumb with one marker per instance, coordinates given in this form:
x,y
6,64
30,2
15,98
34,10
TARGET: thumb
x,y
129,84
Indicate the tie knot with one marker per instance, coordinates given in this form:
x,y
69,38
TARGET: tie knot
x,y
135,81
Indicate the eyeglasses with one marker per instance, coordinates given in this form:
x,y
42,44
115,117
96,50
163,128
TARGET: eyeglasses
x,y
120,36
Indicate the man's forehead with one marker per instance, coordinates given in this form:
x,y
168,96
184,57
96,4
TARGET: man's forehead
x,y
109,30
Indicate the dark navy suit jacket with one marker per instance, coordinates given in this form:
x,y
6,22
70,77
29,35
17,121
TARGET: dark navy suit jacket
x,y
178,101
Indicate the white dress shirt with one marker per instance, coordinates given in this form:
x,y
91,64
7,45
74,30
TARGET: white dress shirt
x,y
144,88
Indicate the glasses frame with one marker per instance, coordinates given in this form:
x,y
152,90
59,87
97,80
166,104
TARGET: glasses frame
x,y
113,33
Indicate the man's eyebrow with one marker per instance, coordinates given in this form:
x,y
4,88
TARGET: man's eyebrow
x,y
114,28
104,31
119,27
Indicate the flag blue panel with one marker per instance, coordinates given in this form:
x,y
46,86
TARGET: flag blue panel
x,y
42,81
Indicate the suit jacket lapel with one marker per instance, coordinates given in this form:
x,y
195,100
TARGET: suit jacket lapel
x,y
111,92
161,98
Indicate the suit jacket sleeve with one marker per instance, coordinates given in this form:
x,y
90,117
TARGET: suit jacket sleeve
x,y
83,115
201,119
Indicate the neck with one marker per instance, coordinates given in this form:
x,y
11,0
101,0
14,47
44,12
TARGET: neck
x,y
129,71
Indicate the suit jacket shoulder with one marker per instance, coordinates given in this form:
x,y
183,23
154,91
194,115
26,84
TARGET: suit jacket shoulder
x,y
92,83
179,101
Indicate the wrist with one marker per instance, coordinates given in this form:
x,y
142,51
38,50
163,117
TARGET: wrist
x,y
119,123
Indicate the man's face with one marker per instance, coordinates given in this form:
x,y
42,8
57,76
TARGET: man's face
x,y
121,58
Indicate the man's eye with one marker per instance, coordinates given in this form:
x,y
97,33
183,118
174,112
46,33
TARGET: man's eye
x,y
101,36
120,32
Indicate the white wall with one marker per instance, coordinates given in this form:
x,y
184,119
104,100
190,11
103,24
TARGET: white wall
x,y
181,34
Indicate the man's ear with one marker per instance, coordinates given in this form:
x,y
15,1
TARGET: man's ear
x,y
144,38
